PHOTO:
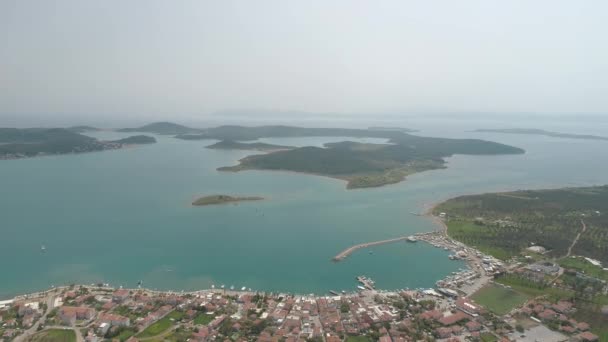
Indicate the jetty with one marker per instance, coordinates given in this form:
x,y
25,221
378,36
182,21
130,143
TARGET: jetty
x,y
345,253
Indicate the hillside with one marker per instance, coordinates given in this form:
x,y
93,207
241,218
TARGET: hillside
x,y
370,165
504,224
258,146
165,128
533,131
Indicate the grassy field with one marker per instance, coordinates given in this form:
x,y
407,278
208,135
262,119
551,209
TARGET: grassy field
x,y
204,319
584,266
498,299
488,337
55,335
358,339
531,289
161,325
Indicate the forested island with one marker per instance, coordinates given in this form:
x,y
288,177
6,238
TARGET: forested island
x,y
533,131
365,165
506,224
18,143
223,199
256,146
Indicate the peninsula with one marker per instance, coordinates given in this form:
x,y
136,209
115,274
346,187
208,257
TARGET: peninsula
x,y
507,224
533,131
223,199
255,146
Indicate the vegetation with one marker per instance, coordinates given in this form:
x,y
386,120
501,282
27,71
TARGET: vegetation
x,y
136,140
55,335
161,325
532,131
505,224
221,199
168,128
498,299
370,165
358,339
533,289
258,146
203,318
581,265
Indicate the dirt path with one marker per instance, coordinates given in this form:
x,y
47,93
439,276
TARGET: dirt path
x,y
576,238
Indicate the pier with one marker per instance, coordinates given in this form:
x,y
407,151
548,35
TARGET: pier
x,y
345,253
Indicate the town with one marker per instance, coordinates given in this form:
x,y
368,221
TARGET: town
x,y
452,311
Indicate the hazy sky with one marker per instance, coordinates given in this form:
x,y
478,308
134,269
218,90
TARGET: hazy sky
x,y
152,59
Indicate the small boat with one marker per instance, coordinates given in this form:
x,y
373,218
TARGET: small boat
x,y
411,238
43,248
232,287
223,286
333,292
361,288
243,288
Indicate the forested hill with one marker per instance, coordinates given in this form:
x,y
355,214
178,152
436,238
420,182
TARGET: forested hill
x,y
504,224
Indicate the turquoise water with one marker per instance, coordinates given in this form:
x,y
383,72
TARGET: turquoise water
x,y
122,216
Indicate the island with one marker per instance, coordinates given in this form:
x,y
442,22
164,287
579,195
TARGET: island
x,y
83,129
558,222
243,133
223,199
365,165
257,146
136,140
533,131
16,143
163,128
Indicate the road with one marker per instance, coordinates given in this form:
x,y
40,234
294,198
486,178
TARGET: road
x,y
50,304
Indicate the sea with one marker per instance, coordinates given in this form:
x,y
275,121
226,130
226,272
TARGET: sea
x,y
125,216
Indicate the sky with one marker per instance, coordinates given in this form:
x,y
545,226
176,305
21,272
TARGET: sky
x,y
149,59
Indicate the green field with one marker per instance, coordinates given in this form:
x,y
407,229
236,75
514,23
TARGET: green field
x,y
203,319
498,299
358,339
161,325
531,289
55,335
584,266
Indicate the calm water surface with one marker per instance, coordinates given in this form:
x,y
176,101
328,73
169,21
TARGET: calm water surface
x,y
124,216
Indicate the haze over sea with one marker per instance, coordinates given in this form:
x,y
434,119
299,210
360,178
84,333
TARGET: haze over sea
x,y
122,216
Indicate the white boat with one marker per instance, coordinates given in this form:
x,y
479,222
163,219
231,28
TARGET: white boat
x,y
43,248
411,238
361,288
243,288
